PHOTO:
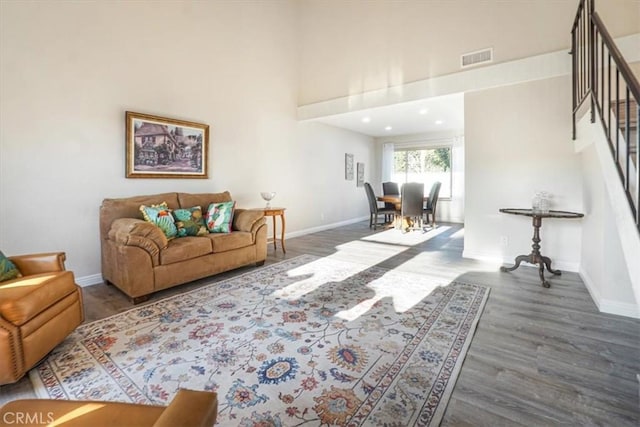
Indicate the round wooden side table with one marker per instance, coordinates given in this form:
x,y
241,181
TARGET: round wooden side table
x,y
535,257
274,212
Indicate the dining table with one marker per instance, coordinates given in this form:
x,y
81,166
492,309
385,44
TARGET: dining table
x,y
399,221
395,199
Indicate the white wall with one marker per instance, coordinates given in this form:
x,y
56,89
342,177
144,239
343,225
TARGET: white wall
x,y
69,71
517,141
450,209
611,273
352,47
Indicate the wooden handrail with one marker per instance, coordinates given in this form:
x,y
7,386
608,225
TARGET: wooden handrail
x,y
617,57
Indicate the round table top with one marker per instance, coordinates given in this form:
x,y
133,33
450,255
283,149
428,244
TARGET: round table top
x,y
550,214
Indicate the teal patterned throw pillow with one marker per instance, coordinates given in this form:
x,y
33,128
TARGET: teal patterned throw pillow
x,y
190,222
219,217
160,215
8,270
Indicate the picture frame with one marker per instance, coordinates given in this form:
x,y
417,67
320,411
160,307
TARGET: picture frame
x,y
161,147
360,181
348,167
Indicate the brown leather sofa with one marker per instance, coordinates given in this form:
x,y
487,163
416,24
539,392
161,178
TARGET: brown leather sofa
x,y
37,312
138,259
188,408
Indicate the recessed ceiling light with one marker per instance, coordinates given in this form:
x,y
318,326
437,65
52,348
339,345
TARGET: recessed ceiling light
x,y
439,122
388,128
423,111
366,119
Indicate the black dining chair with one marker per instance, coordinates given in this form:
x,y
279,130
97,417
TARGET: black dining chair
x,y
430,209
412,203
374,209
390,189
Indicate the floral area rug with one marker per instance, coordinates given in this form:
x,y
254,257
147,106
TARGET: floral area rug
x,y
307,341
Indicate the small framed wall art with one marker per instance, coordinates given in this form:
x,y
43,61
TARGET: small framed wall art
x,y
159,147
360,181
348,167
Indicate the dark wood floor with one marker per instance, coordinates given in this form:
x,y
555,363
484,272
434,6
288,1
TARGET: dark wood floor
x,y
539,356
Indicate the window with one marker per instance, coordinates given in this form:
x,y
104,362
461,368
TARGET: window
x,y
426,165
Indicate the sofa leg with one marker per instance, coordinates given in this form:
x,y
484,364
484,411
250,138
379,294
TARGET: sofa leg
x,y
138,300
260,263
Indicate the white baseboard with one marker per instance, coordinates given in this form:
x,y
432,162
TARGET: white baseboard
x,y
92,279
609,306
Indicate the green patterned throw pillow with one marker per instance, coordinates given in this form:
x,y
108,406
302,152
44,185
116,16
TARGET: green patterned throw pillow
x,y
190,222
160,215
8,270
219,217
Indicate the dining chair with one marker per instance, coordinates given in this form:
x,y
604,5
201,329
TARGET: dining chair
x,y
432,202
374,209
412,203
390,189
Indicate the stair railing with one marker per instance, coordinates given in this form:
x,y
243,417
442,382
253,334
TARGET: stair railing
x,y
600,73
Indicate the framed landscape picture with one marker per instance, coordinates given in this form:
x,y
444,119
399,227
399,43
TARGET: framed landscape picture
x,y
159,147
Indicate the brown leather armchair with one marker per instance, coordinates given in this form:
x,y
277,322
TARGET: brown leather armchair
x,y
37,312
188,408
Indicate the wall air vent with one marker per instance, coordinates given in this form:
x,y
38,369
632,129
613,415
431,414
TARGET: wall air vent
x,y
476,58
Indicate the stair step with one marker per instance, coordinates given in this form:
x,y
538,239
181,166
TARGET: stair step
x,y
620,111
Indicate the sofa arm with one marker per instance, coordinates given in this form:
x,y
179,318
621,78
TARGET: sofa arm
x,y
136,232
247,220
190,408
39,263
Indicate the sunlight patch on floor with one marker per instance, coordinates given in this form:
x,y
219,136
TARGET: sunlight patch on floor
x,y
458,234
360,255
404,296
411,238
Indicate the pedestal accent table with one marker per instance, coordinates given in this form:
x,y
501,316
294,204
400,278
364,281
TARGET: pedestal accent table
x,y
535,257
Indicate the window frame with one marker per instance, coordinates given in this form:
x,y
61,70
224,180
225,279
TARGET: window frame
x,y
426,146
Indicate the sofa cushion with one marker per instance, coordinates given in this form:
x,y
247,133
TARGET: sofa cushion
x,y
244,219
220,217
8,270
112,209
184,249
160,215
202,199
24,298
223,242
190,222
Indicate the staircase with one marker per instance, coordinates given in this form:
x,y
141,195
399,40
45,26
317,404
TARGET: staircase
x,y
602,77
606,88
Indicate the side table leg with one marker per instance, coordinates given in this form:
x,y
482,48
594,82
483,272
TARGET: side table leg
x,y
282,234
274,233
541,273
518,260
547,263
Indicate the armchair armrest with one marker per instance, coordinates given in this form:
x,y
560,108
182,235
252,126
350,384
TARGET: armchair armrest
x,y
247,220
190,408
39,263
136,232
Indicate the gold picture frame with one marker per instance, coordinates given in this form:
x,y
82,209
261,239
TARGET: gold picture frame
x,y
160,147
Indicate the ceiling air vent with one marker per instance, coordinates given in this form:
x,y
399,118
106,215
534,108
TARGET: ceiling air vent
x,y
476,58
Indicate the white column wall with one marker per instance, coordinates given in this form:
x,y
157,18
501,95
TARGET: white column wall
x,y
517,141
